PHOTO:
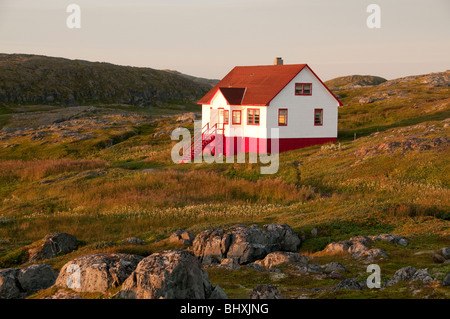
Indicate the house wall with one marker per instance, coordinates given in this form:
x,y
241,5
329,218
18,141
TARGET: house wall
x,y
301,110
253,131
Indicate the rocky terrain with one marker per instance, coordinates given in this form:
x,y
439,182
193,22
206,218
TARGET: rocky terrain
x,y
34,79
93,207
183,273
354,81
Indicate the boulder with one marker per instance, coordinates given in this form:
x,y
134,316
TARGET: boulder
x,y
403,274
446,252
97,272
22,282
169,274
245,244
266,292
8,284
211,245
446,281
134,241
309,268
182,236
348,283
36,277
334,266
230,263
410,273
52,245
339,247
281,257
396,239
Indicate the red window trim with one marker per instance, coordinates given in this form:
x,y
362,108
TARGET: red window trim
x,y
281,124
240,117
254,117
321,119
302,84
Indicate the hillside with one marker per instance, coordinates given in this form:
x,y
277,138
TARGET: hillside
x,y
34,79
104,174
352,81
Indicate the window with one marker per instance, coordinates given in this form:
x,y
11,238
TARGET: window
x,y
226,114
253,116
318,117
303,88
236,117
282,117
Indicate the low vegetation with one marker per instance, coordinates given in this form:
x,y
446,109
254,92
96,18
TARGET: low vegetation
x,y
104,173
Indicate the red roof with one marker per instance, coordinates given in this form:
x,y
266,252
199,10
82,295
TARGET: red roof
x,y
255,85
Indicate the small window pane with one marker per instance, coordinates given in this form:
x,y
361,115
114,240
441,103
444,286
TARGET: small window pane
x,y
250,117
318,117
307,89
256,117
225,116
282,117
298,89
236,117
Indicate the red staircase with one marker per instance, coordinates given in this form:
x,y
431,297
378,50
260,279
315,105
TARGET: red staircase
x,y
200,141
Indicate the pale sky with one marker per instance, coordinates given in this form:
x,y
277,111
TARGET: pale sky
x,y
208,38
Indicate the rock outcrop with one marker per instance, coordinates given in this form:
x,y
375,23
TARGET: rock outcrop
x,y
245,244
410,274
357,246
22,282
52,245
97,272
169,274
183,237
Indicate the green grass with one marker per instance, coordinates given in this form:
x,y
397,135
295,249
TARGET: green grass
x,y
45,186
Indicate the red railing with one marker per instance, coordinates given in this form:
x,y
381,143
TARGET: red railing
x,y
202,139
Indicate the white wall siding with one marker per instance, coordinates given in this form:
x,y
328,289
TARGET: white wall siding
x,y
301,109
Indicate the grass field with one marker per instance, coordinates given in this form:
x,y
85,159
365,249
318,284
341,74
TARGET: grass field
x,y
100,174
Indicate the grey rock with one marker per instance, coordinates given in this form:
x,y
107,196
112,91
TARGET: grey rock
x,y
266,292
335,274
52,245
309,268
334,266
36,277
8,284
246,244
339,247
446,281
281,257
22,282
230,263
422,275
446,252
97,272
169,274
211,245
182,236
314,232
403,274
348,283
134,241
217,293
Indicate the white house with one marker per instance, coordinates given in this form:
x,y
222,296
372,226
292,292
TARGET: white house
x,y
251,100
